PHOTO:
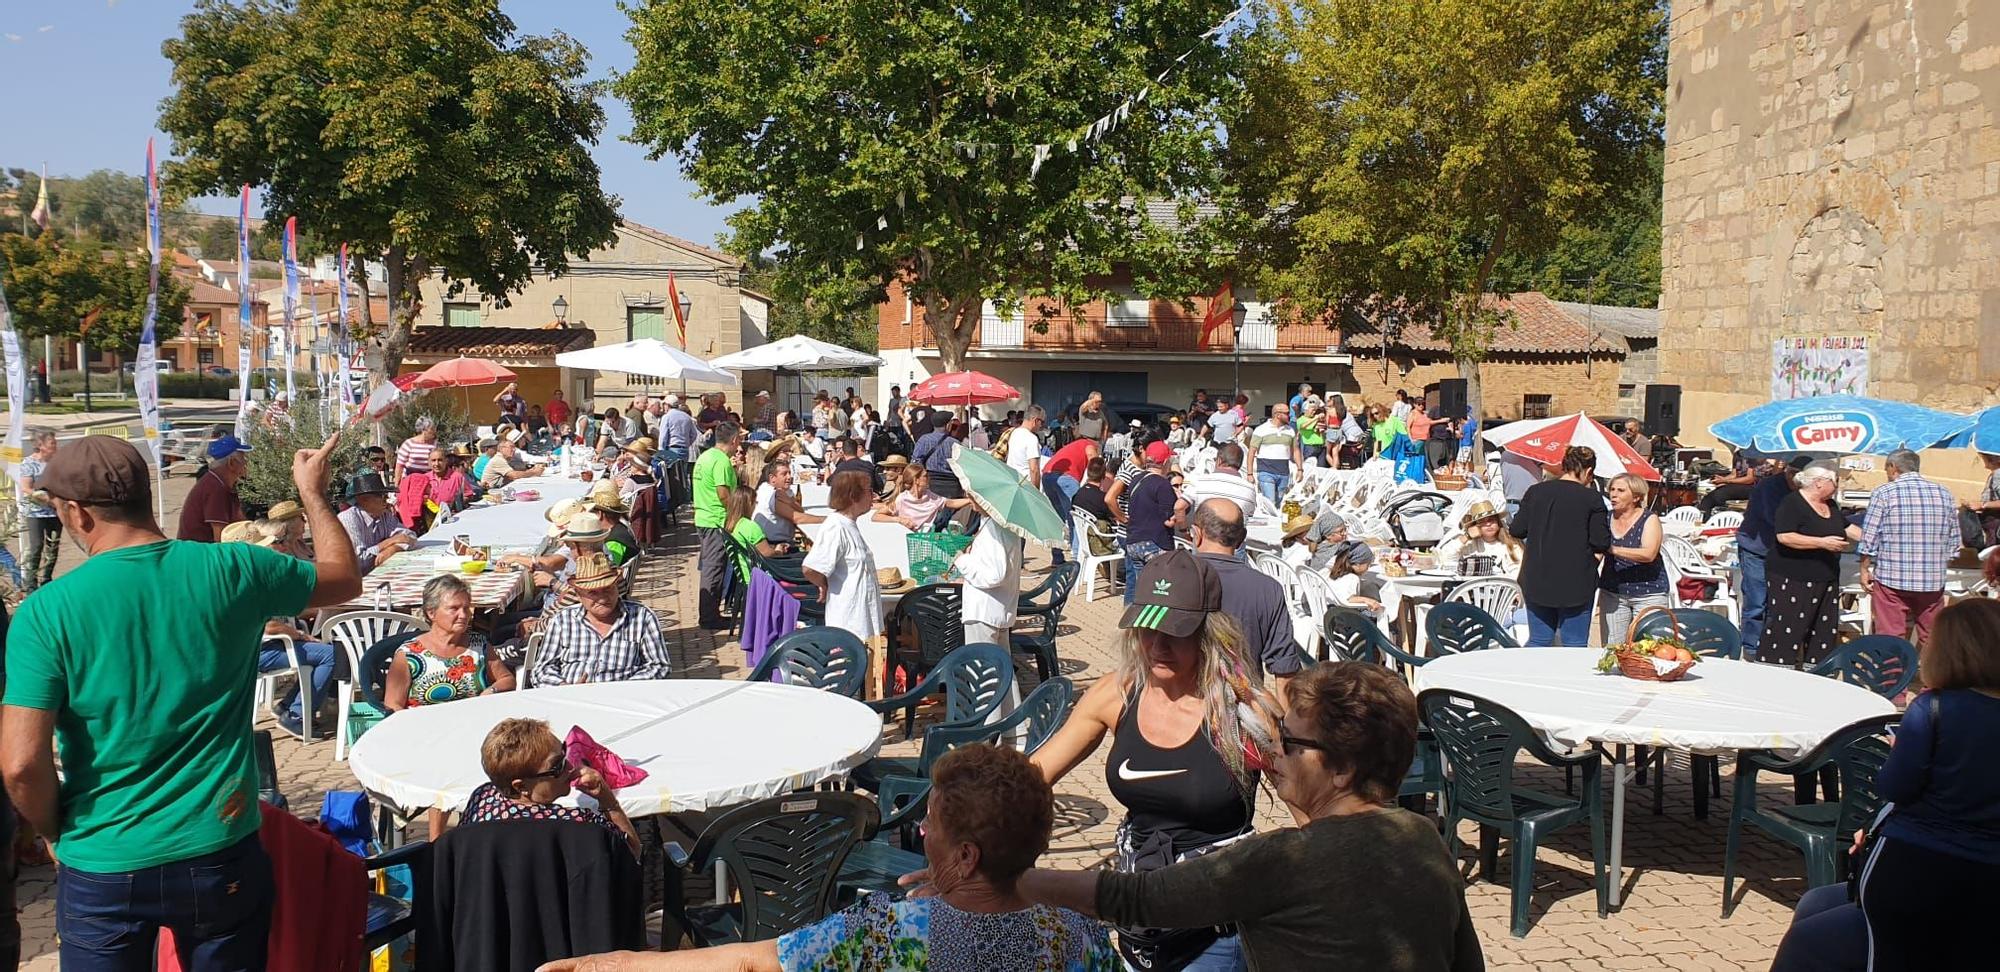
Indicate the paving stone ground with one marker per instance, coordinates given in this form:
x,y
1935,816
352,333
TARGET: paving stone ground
x,y
1670,918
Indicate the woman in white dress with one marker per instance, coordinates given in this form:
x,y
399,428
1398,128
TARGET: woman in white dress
x,y
843,568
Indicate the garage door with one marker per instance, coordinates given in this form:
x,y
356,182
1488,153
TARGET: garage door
x,y
1056,391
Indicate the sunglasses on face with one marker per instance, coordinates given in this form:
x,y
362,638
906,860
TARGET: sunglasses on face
x,y
559,771
1294,743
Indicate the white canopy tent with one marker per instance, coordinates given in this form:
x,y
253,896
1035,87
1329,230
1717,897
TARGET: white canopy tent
x,y
797,353
650,357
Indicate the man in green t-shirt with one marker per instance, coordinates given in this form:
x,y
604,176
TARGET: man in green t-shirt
x,y
714,477
139,665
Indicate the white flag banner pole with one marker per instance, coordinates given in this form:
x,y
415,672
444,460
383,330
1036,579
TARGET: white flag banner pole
x,y
244,337
145,375
340,338
17,392
291,305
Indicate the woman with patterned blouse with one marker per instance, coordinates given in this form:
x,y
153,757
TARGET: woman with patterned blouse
x,y
989,819
447,662
528,772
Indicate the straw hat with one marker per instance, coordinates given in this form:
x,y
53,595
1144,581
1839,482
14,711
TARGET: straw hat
x,y
245,531
889,580
285,510
1297,525
894,462
585,528
560,513
604,496
1482,510
461,450
594,571
642,446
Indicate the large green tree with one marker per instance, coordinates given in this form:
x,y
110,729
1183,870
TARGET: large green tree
x,y
53,290
1393,151
909,128
1612,258
425,133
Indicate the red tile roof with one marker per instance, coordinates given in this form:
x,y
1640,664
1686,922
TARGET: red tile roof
x,y
1539,327
499,342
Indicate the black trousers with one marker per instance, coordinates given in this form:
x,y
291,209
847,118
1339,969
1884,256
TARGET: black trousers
x,y
1722,494
1927,909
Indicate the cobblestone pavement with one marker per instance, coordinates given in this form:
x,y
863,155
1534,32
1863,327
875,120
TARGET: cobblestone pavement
x,y
1673,878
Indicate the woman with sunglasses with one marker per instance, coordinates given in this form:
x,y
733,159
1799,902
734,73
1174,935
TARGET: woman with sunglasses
x,y
1301,895
527,772
1184,757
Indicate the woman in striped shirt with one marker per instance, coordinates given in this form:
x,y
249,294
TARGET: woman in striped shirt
x,y
414,455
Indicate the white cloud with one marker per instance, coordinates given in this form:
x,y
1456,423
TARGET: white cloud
x,y
45,28
16,38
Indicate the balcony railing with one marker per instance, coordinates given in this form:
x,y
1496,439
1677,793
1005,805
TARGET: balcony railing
x,y
1166,329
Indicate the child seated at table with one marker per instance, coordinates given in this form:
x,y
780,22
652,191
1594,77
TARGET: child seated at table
x,y
1352,560
528,772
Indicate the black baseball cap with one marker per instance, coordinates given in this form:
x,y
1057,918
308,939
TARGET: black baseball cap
x,y
1800,462
1176,592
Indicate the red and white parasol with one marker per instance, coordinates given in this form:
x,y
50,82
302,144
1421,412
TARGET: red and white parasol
x,y
963,388
1545,441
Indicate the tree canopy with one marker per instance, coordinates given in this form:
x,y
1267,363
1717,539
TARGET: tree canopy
x,y
1393,151
880,142
52,290
425,133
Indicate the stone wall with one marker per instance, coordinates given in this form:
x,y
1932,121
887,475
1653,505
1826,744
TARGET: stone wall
x,y
1832,168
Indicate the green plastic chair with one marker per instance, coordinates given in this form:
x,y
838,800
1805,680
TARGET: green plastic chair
x,y
973,678
1480,740
1454,627
1709,635
784,853
1040,715
1047,614
1882,664
1352,636
1819,830
828,659
875,864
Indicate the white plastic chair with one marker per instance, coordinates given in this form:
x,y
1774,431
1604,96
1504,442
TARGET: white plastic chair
x,y
1724,518
1681,521
1309,606
267,686
353,632
534,651
1085,523
1497,596
1273,566
1683,560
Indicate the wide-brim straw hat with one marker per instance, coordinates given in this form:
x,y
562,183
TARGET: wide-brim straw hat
x,y
642,445
888,580
594,571
285,510
586,528
604,496
1482,510
1297,526
894,462
559,514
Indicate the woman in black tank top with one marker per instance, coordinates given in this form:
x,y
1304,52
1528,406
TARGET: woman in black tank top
x,y
1188,730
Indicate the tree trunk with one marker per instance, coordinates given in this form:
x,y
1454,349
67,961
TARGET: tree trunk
x,y
952,324
1469,370
385,352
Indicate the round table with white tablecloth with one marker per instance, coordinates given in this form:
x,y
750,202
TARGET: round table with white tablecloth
x,y
887,540
704,743
1721,706
513,525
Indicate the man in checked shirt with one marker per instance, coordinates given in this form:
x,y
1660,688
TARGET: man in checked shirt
x,y
1910,536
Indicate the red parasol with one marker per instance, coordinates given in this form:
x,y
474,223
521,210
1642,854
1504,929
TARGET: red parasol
x,y
963,388
462,371
1545,441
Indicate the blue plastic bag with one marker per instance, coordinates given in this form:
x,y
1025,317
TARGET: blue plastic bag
x,y
346,815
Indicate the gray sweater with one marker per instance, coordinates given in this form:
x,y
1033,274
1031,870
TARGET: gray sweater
x,y
1373,891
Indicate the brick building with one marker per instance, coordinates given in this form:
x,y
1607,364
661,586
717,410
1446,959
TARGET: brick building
x,y
1832,200
1138,350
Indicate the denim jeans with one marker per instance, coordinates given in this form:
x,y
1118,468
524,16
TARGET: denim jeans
x,y
1273,485
1059,488
219,906
41,541
1547,625
317,658
1226,955
1137,552
1755,589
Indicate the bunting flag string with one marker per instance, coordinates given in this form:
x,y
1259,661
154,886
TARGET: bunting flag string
x,y
1039,153
145,374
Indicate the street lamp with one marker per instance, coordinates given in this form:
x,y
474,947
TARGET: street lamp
x,y
685,305
561,307
1237,315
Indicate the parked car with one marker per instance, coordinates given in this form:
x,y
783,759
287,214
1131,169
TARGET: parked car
x,y
161,367
218,371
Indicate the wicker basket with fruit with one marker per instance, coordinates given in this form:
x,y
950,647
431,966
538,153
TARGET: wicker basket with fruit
x,y
1654,659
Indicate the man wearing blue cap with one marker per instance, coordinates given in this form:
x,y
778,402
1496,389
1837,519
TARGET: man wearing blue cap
x,y
213,504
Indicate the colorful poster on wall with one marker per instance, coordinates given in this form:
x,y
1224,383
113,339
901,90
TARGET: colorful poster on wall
x,y
1830,364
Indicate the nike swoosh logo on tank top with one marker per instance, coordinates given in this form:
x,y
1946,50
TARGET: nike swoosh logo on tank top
x,y
1126,772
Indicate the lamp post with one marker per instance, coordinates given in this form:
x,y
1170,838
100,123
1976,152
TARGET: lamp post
x,y
561,307
1238,314
685,306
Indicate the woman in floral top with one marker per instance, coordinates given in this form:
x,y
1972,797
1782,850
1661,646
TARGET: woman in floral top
x,y
989,819
447,662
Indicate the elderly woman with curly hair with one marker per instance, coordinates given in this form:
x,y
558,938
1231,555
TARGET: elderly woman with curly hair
x,y
1300,895
989,818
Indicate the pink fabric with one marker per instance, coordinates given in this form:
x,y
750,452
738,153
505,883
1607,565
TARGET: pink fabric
x,y
410,495
445,490
585,751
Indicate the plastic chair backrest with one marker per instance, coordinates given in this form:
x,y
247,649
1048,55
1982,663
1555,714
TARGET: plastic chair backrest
x,y
530,657
1882,664
1454,627
1857,750
902,800
372,674
785,853
1706,633
934,610
829,659
1480,740
1056,586
1351,636
976,680
1724,518
354,632
1684,557
1497,596
1682,514
1041,713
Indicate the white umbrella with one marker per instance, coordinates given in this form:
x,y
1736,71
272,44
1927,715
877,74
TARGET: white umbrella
x,y
647,356
797,353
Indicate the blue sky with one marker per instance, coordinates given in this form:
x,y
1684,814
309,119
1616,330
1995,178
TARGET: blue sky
x,y
87,79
